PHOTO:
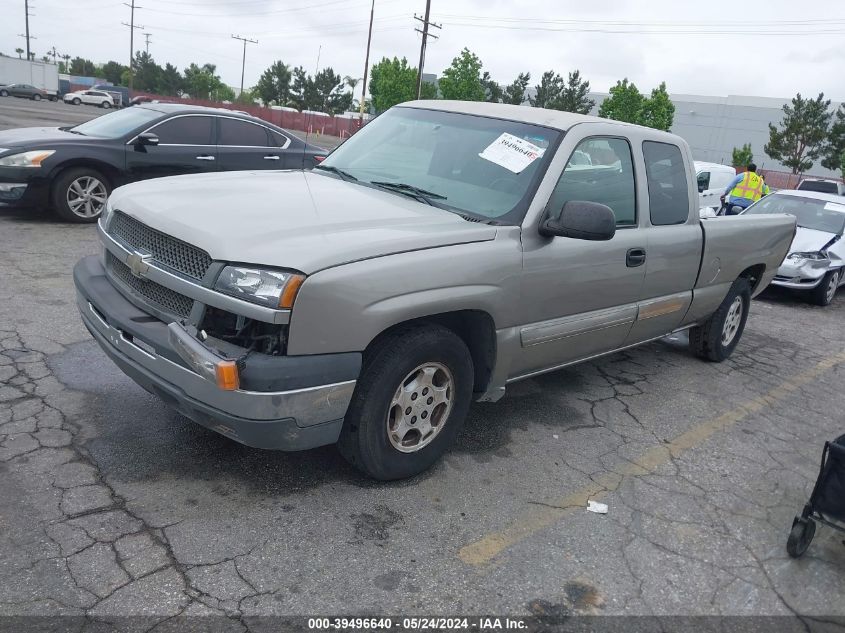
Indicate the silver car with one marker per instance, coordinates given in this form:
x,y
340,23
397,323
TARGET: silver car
x,y
816,257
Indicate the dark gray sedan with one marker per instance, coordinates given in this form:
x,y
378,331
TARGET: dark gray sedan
x,y
25,91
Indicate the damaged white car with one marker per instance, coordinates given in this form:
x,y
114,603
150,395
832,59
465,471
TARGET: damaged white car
x,y
816,258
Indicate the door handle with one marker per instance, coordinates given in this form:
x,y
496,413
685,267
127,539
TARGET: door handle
x,y
205,157
635,257
271,158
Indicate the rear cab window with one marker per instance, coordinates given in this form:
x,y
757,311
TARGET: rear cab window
x,y
668,194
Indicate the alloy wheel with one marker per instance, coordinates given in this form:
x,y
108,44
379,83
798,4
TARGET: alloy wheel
x,y
832,285
86,197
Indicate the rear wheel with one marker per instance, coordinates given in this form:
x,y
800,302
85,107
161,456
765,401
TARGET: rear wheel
x,y
80,194
36,97
106,104
4,93
77,101
409,404
803,531
716,338
823,294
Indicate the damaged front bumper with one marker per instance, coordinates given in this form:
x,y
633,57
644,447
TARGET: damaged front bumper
x,y
803,274
305,409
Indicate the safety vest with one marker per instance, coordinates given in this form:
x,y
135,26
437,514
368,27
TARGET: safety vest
x,y
750,187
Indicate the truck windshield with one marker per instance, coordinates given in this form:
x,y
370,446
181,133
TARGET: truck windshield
x,y
117,124
487,168
809,213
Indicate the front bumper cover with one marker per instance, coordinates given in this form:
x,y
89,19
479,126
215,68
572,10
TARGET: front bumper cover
x,y
802,274
292,419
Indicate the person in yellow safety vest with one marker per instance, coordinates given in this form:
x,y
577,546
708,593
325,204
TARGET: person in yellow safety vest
x,y
744,190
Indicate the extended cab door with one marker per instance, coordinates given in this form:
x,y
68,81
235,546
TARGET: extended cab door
x,y
674,239
245,145
579,298
185,146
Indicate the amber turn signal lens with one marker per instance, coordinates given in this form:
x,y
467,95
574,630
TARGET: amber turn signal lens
x,y
289,293
227,375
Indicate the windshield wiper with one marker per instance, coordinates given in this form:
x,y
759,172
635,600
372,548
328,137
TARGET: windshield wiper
x,y
426,196
344,175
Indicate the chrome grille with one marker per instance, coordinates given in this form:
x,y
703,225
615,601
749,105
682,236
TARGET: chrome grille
x,y
158,296
165,250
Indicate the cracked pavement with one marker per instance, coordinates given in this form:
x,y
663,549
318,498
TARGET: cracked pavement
x,y
112,505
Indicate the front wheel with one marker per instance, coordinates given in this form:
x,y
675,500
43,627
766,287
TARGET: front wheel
x,y
77,101
800,537
716,338
36,97
80,194
4,93
409,404
823,294
106,104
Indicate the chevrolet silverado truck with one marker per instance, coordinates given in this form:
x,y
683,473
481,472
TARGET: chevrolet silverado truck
x,y
443,252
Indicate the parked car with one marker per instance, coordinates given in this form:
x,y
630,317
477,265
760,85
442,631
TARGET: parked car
x,y
712,178
90,97
26,91
120,94
814,264
446,250
73,169
822,185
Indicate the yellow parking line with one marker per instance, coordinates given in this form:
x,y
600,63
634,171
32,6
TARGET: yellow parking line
x,y
538,517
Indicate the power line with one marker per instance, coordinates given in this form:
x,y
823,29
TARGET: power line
x,y
425,35
243,63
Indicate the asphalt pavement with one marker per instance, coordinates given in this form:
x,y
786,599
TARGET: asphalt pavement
x,y
113,505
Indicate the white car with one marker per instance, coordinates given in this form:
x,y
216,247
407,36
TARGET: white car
x,y
90,97
823,185
712,179
815,264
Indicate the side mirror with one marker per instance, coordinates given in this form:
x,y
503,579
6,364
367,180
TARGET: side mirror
x,y
701,188
581,220
147,138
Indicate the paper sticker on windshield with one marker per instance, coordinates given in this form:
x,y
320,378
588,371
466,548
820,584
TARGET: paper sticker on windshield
x,y
512,152
835,206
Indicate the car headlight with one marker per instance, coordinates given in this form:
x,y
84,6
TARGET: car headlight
x,y
26,159
816,255
271,288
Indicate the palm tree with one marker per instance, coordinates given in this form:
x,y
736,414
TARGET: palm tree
x,y
19,51
351,82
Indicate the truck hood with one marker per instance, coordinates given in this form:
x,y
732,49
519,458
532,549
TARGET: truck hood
x,y
809,240
291,219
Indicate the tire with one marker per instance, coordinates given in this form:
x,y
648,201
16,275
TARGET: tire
x,y
824,293
800,537
76,101
36,97
106,105
53,98
4,93
381,439
716,338
91,187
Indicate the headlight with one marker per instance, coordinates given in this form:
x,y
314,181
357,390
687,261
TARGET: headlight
x,y
105,216
27,159
814,256
271,288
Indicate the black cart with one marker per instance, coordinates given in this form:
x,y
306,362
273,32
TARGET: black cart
x,y
826,504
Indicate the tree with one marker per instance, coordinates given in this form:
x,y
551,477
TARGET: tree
x,y
573,96
428,90
202,82
274,84
835,146
742,156
222,92
298,88
113,72
623,104
146,73
547,92
657,111
392,81
842,164
247,97
492,90
462,80
515,92
82,67
798,141
170,81
20,52
327,93
45,59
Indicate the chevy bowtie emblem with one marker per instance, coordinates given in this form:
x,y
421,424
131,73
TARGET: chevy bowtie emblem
x,y
138,264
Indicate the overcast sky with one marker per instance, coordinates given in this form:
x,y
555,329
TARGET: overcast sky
x,y
696,47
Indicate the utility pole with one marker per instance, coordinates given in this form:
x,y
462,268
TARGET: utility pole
x,y
26,12
132,26
367,63
243,63
425,35
147,37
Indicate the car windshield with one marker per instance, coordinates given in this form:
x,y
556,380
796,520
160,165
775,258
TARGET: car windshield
x,y
822,186
810,213
116,124
476,165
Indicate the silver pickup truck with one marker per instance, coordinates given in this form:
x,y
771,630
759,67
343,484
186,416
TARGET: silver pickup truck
x,y
446,250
